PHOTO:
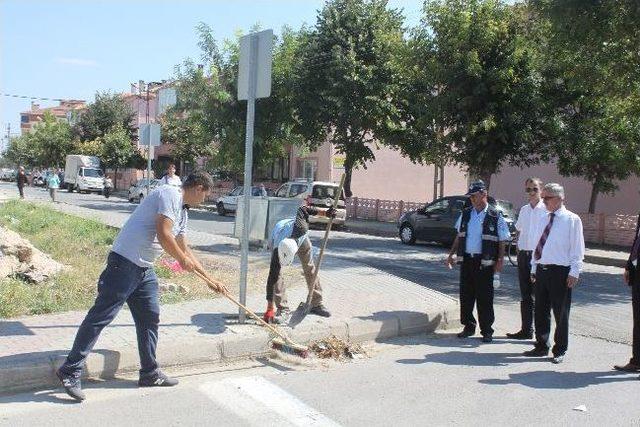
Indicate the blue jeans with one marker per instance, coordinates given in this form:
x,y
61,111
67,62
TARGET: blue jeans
x,y
121,281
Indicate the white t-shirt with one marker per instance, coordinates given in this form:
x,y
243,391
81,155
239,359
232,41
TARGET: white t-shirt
x,y
174,180
526,225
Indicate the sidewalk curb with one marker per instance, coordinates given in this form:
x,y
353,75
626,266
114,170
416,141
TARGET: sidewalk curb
x,y
38,372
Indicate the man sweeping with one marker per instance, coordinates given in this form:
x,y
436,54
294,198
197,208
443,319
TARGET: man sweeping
x,y
129,277
290,237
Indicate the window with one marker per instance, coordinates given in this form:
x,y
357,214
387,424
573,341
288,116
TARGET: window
x,y
236,191
282,191
307,168
297,189
325,191
456,207
438,208
24,118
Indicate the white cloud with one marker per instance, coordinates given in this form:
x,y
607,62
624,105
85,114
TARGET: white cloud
x,y
79,62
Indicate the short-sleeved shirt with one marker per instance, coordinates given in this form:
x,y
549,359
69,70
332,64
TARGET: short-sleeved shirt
x,y
174,180
296,228
137,241
53,181
474,230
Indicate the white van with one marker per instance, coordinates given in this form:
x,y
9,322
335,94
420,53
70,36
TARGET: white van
x,y
83,173
316,193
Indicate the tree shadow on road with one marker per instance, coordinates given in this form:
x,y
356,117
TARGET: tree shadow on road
x,y
561,380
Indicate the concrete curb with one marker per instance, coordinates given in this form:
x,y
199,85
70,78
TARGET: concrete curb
x,y
38,372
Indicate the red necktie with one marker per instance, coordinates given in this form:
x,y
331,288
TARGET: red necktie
x,y
543,239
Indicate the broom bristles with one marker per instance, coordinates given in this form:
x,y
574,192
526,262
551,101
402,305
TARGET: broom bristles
x,y
290,348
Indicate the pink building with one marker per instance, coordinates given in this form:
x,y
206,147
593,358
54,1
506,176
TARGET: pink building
x,y
62,112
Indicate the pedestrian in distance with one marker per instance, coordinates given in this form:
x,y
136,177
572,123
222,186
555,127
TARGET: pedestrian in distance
x,y
480,243
170,177
527,221
53,182
290,237
555,268
632,278
21,180
129,277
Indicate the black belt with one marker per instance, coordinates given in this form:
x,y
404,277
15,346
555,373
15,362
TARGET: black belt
x,y
473,256
552,266
526,252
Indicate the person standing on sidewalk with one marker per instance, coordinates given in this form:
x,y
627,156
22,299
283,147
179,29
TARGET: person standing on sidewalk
x,y
21,180
555,268
288,238
129,277
53,182
482,233
171,178
632,278
527,220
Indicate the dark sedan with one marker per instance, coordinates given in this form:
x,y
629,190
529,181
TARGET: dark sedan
x,y
436,221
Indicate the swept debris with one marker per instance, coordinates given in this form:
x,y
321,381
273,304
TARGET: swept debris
x,y
337,349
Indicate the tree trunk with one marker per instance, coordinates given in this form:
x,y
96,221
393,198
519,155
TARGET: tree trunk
x,y
348,169
594,198
115,178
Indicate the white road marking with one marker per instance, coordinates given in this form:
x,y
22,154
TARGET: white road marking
x,y
260,402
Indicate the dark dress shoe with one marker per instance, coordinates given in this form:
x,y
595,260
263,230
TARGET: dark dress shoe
x,y
487,338
72,386
520,335
537,352
629,367
320,310
466,332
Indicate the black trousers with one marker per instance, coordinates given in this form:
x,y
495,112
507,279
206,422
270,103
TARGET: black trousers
x,y
552,293
476,287
526,291
21,191
634,280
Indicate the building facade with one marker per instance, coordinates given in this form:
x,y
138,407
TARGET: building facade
x,y
65,111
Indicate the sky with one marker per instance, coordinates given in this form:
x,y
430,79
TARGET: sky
x,y
72,48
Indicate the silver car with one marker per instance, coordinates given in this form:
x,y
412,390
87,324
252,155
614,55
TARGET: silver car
x,y
138,191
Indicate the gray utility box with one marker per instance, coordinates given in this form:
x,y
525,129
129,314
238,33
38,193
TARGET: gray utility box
x,y
265,213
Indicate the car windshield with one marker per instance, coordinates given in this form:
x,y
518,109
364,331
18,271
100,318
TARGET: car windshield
x,y
325,191
92,173
506,208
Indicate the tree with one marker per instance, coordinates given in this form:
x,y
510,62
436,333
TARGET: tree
x,y
593,74
117,149
472,92
51,140
209,121
107,111
20,151
347,78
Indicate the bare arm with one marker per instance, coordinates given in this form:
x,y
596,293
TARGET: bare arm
x,y
169,243
452,252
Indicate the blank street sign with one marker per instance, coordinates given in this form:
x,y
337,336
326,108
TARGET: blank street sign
x,y
265,46
150,133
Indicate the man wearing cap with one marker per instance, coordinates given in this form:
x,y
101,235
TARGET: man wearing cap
x,y
290,237
632,278
527,220
482,233
555,266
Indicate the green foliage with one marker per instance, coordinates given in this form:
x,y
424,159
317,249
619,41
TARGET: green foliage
x,y
347,78
21,152
101,116
472,92
52,141
592,65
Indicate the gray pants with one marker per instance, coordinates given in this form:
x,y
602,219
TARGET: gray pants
x,y
276,288
52,193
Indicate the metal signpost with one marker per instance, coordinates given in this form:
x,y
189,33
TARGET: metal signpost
x,y
149,136
254,81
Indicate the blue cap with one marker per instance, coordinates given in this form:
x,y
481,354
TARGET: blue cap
x,y
476,186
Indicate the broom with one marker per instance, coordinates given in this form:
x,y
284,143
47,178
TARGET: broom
x,y
305,307
283,343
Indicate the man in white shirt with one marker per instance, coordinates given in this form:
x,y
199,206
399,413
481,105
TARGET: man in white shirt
x,y
171,178
555,267
527,221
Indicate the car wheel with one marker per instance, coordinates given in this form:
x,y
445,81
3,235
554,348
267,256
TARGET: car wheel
x,y
131,200
221,210
70,188
407,235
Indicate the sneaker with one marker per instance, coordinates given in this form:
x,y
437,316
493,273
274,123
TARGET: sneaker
x,y
537,352
282,315
72,386
467,332
629,367
157,379
558,359
520,335
320,310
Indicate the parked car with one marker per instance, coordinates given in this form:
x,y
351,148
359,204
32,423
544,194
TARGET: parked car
x,y
436,221
7,174
138,190
316,193
229,203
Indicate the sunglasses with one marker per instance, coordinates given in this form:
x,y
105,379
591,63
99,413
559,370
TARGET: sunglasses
x,y
531,189
545,198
